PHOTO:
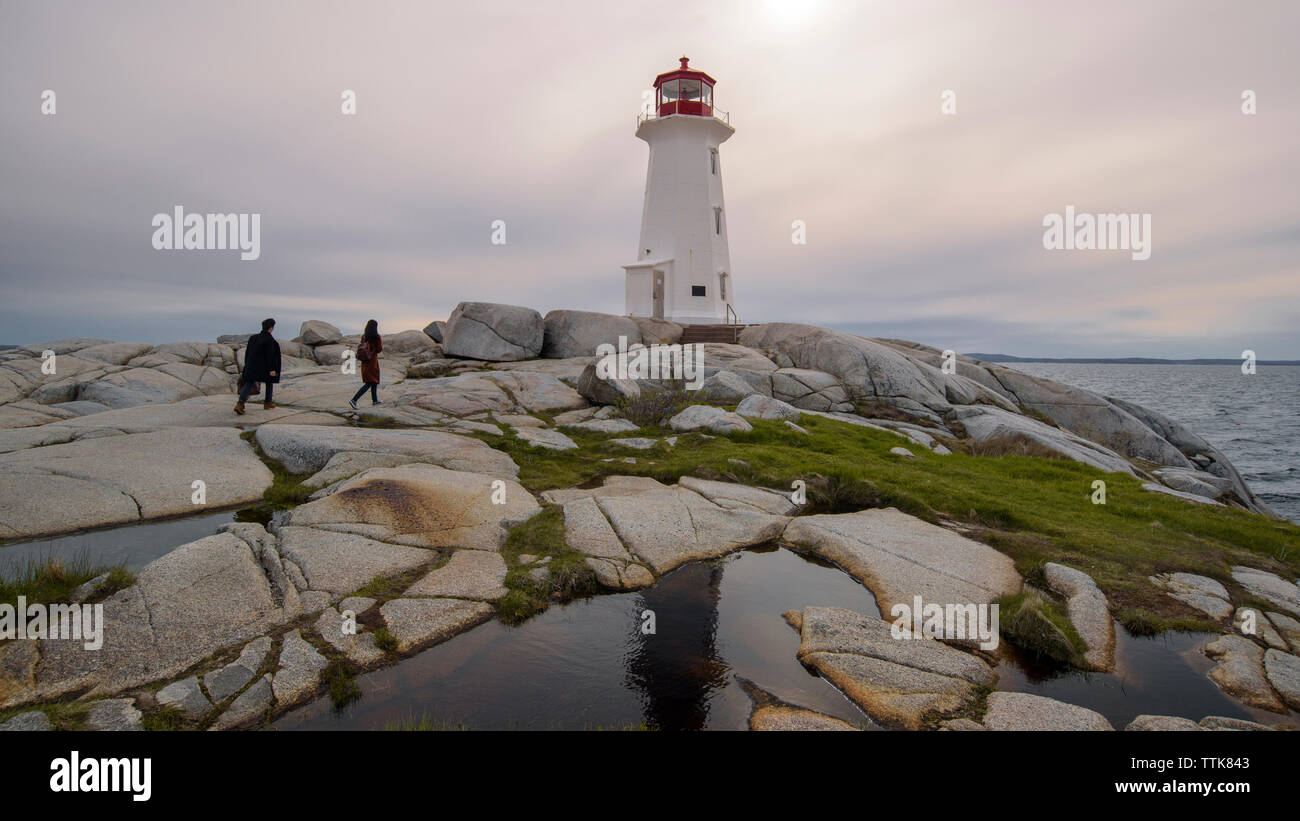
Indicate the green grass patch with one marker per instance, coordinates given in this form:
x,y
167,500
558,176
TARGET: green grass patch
x,y
51,580
1040,626
1032,508
166,719
566,575
341,679
385,640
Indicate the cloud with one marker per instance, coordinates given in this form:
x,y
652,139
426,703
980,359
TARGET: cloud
x,y
917,223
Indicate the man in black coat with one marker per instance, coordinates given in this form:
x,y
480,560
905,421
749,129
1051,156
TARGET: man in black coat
x,y
261,364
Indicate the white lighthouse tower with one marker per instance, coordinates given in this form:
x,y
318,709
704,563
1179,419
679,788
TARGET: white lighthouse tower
x,y
683,271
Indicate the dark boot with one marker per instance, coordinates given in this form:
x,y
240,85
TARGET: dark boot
x,y
268,405
239,408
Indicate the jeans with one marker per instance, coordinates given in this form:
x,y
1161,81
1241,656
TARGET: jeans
x,y
374,392
247,390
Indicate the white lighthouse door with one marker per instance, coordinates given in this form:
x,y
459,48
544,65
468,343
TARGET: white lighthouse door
x,y
658,295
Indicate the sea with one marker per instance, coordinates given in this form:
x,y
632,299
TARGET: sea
x,y
1253,419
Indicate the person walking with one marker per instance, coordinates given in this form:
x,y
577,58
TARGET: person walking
x,y
368,355
261,364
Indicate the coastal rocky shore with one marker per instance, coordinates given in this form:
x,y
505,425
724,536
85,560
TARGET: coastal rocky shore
x,y
405,518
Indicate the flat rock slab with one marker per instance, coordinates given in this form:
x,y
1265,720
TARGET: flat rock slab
x,y
668,528
1025,711
1162,724
1283,672
1088,610
1249,621
514,391
186,605
604,426
308,448
544,438
340,563
795,719
185,695
1288,627
114,715
757,406
587,531
299,672
1240,672
733,496
1197,592
360,647
899,556
419,622
469,574
117,479
1269,587
898,682
421,506
251,706
200,412
29,722
223,683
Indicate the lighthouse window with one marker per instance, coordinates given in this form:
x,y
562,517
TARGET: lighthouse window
x,y
697,290
713,161
708,94
690,89
668,91
717,220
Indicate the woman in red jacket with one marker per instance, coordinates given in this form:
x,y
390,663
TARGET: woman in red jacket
x,y
368,355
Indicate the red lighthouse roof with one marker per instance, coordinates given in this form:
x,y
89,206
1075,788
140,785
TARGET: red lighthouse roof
x,y
684,91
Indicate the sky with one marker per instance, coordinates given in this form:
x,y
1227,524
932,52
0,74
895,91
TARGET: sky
x,y
920,224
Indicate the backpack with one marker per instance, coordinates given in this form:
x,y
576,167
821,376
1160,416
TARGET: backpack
x,y
363,351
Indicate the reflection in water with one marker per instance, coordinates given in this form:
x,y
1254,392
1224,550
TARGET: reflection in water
x,y
678,667
587,665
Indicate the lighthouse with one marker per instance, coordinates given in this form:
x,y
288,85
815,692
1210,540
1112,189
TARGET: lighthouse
x,y
682,271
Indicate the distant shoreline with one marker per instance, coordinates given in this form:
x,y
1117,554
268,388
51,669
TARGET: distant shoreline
x,y
1129,360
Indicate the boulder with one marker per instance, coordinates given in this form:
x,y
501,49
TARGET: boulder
x,y
580,333
30,721
707,417
984,423
434,330
315,332
658,330
493,332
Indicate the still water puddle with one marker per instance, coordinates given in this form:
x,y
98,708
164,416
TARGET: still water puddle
x,y
131,545
587,665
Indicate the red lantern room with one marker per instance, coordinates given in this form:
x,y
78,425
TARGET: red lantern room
x,y
684,91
